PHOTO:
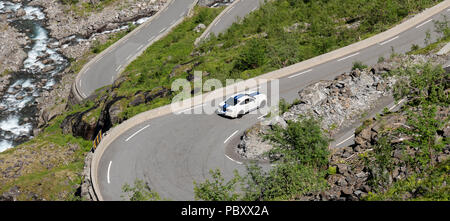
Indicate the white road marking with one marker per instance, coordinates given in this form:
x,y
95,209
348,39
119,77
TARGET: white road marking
x,y
139,47
218,21
87,69
296,75
418,26
173,23
254,9
349,56
109,168
162,30
117,69
112,79
389,40
129,56
345,140
233,160
151,39
235,132
401,101
136,133
260,117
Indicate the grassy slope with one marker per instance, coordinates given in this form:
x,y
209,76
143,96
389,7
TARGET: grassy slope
x,y
49,166
260,44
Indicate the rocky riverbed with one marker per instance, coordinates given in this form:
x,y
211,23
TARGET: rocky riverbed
x,y
77,27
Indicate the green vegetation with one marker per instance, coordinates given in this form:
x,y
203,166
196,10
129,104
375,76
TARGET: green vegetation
x,y
443,29
304,140
53,172
98,47
84,8
425,90
433,186
217,189
279,34
140,191
302,154
358,65
5,72
302,157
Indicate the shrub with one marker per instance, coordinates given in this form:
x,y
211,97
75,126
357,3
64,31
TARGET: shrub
x,y
302,141
331,170
139,192
252,56
358,65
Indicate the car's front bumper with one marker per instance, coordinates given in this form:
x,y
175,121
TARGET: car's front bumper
x,y
224,113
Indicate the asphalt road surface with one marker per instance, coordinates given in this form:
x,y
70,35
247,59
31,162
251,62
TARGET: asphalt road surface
x,y
173,151
106,69
237,11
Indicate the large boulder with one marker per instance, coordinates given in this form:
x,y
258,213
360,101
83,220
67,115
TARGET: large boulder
x,y
81,124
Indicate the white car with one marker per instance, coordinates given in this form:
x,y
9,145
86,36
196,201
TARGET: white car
x,y
240,104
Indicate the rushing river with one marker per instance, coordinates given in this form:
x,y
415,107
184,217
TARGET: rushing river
x,y
39,73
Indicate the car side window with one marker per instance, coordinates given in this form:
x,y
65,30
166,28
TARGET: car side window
x,y
247,101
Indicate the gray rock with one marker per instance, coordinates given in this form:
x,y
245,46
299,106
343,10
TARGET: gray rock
x,y
21,12
199,28
276,120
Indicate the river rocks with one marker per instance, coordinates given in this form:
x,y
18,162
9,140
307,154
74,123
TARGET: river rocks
x,y
11,52
65,24
21,12
4,82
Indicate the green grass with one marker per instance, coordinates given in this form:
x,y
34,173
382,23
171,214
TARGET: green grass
x,y
433,186
84,9
259,43
433,47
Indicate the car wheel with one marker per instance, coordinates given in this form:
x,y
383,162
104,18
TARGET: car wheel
x,y
262,104
240,114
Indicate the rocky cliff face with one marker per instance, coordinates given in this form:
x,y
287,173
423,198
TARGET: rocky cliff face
x,y
110,105
11,52
354,165
340,103
343,99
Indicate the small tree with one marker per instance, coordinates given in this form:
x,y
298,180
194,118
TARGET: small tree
x,y
139,192
252,56
216,189
302,140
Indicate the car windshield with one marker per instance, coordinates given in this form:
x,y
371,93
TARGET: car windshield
x,y
230,101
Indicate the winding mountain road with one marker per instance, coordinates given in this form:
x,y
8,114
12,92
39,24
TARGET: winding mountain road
x,y
173,150
105,67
